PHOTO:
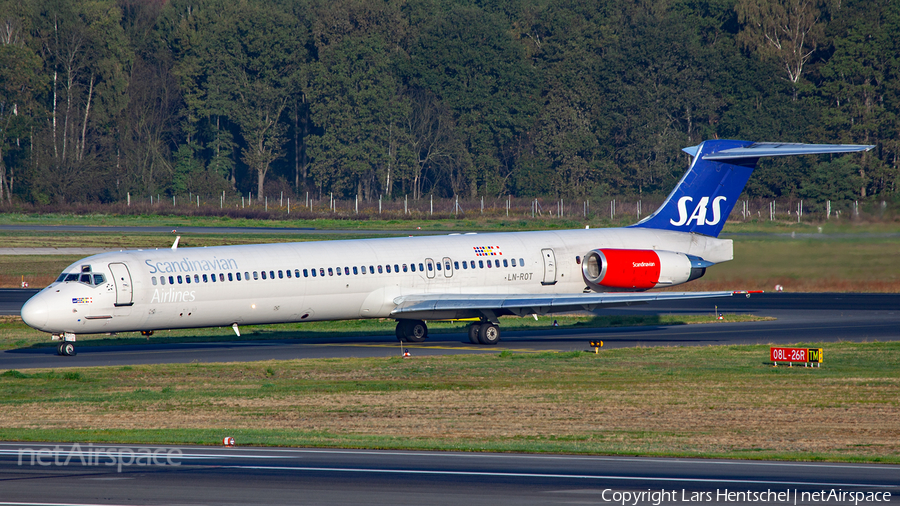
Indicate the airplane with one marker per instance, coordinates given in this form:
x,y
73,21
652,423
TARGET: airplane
x,y
474,277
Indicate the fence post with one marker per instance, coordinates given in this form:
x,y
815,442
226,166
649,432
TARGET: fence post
x,y
198,201
828,209
289,205
356,205
482,204
431,212
405,204
129,199
379,204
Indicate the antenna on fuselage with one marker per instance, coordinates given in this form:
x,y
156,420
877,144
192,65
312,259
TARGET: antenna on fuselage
x,y
175,244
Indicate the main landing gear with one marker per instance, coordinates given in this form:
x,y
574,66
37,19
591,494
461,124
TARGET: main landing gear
x,y
411,331
415,331
484,333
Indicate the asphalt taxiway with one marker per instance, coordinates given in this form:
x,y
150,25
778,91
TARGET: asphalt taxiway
x,y
62,473
800,318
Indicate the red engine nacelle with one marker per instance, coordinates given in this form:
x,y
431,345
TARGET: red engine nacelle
x,y
635,269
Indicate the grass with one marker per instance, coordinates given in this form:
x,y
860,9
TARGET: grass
x,y
15,334
697,401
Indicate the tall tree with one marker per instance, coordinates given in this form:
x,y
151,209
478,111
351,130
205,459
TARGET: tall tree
x,y
243,61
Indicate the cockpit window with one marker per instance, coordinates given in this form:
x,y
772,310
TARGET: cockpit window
x,y
71,277
98,279
85,278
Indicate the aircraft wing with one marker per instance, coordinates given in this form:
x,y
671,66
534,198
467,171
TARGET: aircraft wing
x,y
446,306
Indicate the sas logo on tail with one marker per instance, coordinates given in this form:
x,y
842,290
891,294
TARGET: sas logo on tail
x,y
699,214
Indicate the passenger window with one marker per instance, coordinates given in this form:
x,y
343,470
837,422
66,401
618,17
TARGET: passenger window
x,y
513,262
405,268
230,278
505,263
162,280
489,264
347,271
288,272
380,269
465,265
438,265
455,265
196,278
271,274
322,272
330,271
447,265
264,274
481,264
171,280
521,262
153,280
255,275
356,270
313,272
246,276
280,275
396,268
306,273
297,273
237,275
430,268
372,270
473,264
497,263
412,267
338,271
421,267
187,279
221,277
179,280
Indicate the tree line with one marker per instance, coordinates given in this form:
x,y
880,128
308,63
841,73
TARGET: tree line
x,y
417,98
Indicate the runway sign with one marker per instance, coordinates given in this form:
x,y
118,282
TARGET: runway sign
x,y
791,355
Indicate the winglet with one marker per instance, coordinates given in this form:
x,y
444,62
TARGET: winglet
x,y
175,244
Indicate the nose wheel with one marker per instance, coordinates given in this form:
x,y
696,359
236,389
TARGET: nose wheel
x,y
65,349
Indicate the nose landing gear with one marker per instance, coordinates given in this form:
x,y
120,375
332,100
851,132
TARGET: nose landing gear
x,y
65,349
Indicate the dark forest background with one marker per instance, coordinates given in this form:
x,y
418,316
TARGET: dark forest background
x,y
573,99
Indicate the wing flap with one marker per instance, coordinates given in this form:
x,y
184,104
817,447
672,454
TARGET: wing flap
x,y
520,304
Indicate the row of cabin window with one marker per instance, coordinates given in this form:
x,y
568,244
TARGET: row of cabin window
x,y
411,267
198,278
204,278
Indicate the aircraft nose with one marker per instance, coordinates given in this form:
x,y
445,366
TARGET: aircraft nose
x,y
35,312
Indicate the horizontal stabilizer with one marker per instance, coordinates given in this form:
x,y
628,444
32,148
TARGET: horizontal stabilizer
x,y
761,149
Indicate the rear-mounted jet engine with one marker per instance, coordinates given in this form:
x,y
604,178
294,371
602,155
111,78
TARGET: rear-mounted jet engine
x,y
606,270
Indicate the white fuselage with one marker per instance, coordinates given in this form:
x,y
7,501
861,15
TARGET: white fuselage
x,y
168,289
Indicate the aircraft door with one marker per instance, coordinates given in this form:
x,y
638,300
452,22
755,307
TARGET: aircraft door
x,y
549,266
429,267
448,268
122,280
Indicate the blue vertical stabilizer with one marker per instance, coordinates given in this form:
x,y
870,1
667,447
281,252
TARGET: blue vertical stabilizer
x,y
709,190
